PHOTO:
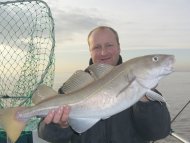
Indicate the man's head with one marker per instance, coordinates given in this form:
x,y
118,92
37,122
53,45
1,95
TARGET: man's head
x,y
104,45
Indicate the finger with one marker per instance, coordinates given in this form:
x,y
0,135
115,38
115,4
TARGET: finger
x,y
49,118
58,115
64,119
65,115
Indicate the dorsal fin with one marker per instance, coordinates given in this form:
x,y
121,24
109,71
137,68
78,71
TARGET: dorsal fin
x,y
81,78
97,71
77,81
43,92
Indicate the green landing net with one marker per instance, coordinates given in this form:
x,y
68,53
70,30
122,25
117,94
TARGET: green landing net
x,y
27,58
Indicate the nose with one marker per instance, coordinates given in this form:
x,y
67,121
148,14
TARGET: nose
x,y
103,51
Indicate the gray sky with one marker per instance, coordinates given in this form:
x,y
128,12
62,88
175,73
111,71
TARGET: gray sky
x,y
140,23
144,27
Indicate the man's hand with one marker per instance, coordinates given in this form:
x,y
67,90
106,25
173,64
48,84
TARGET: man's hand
x,y
144,99
59,116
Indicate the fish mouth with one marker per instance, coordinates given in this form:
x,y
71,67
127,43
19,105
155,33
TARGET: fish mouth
x,y
169,66
168,70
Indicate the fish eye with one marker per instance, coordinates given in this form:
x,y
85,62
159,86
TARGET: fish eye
x,y
155,58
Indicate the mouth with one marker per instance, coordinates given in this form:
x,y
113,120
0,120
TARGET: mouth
x,y
169,70
169,67
105,59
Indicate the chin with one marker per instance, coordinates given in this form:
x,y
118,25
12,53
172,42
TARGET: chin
x,y
107,62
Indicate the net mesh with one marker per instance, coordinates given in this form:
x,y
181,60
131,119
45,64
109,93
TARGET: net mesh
x,y
26,50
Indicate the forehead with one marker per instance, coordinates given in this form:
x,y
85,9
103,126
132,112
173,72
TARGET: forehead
x,y
102,35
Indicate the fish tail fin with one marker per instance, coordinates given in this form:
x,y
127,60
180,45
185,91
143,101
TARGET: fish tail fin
x,y
11,124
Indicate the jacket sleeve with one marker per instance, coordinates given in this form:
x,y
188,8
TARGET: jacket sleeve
x,y
152,119
54,133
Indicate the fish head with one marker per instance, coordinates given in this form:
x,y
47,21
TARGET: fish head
x,y
149,69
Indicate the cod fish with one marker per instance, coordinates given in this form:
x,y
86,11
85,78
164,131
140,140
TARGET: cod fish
x,y
101,92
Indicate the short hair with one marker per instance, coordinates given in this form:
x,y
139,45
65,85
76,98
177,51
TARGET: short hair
x,y
102,28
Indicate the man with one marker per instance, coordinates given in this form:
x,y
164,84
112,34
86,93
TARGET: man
x,y
141,123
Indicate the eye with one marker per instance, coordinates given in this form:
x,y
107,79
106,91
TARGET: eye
x,y
155,59
96,47
108,45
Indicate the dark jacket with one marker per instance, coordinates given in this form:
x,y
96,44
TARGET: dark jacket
x,y
140,123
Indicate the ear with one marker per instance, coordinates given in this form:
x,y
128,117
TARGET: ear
x,y
119,49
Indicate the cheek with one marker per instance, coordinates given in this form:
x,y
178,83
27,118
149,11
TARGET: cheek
x,y
114,52
94,55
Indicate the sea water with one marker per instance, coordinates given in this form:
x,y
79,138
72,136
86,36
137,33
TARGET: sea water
x,y
176,89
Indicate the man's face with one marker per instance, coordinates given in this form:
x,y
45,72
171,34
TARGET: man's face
x,y
103,47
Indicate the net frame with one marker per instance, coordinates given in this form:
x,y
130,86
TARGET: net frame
x,y
27,59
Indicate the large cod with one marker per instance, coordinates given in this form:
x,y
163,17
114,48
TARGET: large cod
x,y
101,92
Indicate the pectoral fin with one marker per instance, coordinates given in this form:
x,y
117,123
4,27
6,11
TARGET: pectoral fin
x,y
154,96
80,125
